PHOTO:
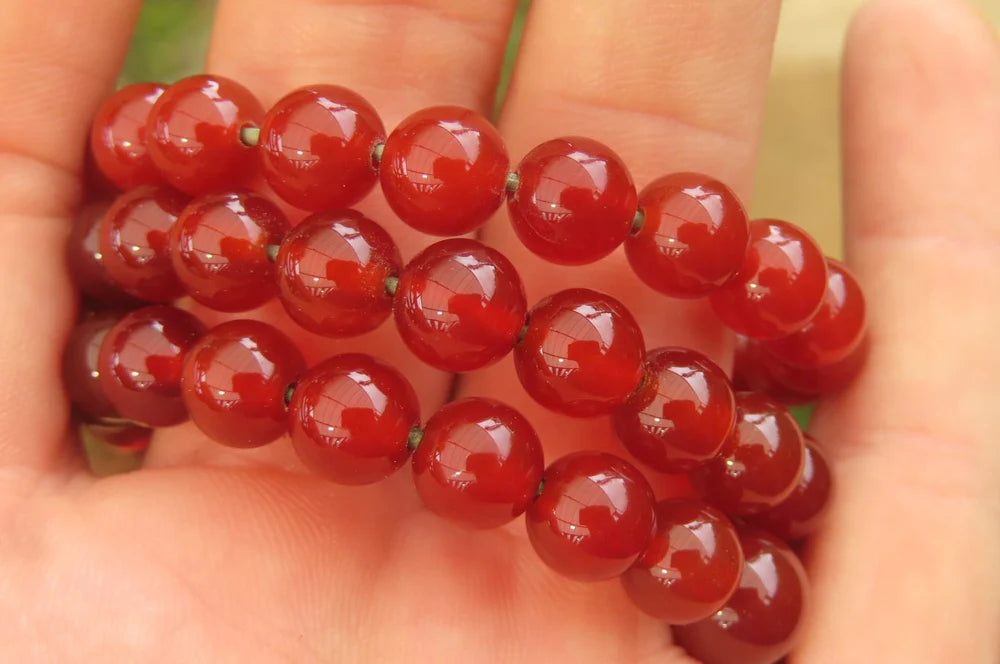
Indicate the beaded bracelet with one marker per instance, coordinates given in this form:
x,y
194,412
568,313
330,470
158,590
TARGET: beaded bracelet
x,y
459,306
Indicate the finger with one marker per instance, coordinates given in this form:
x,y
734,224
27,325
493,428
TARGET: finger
x,y
907,569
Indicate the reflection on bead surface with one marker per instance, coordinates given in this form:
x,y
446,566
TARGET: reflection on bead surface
x,y
460,305
582,353
691,566
798,515
86,262
332,269
118,136
574,201
693,237
316,147
80,370
350,419
682,413
479,463
444,169
593,517
235,379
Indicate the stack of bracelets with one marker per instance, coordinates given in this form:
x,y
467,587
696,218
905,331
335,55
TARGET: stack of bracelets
x,y
717,569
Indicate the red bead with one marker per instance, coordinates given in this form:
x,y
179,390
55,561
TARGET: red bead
x,y
332,269
118,136
460,305
141,360
235,379
753,370
193,134
351,417
691,566
780,285
798,515
759,622
593,517
86,262
444,170
682,413
135,242
478,463
220,250
760,464
693,237
818,381
316,147
574,202
582,353
81,374
834,332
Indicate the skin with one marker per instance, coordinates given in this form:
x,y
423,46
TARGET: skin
x,y
209,554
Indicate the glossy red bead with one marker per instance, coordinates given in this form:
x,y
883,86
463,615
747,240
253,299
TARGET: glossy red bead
x,y
760,621
316,147
86,261
760,464
460,305
818,381
444,169
118,136
753,370
351,417
799,515
691,566
574,202
582,353
780,285
135,242
235,379
693,236
193,134
220,250
80,369
141,360
682,413
478,463
593,518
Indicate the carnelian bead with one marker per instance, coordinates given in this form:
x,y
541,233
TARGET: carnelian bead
x,y
691,566
593,517
444,169
817,381
760,464
193,134
141,360
86,261
780,285
351,418
574,202
135,242
759,622
460,305
478,463
332,269
220,250
693,236
581,354
798,515
235,379
682,413
316,147
118,136
80,369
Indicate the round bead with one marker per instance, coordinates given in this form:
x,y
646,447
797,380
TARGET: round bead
x,y
220,250
760,464
193,134
80,369
753,370
316,147
780,285
141,360
235,379
135,242
460,305
759,622
86,261
351,417
823,380
444,169
593,517
798,515
693,237
582,353
574,202
691,566
682,413
478,463
118,136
